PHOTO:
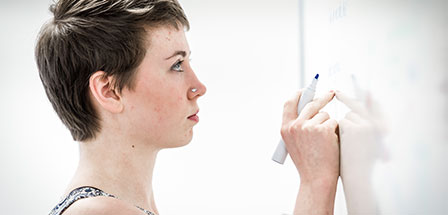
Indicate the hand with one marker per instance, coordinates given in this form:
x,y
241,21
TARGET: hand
x,y
312,143
311,139
360,132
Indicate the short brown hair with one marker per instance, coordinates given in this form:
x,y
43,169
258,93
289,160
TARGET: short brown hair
x,y
86,36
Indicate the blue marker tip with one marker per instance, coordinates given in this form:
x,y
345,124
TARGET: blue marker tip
x,y
317,76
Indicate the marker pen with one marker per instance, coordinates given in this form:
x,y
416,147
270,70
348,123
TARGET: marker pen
x,y
306,97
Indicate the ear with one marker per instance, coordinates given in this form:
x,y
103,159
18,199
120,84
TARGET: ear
x,y
102,89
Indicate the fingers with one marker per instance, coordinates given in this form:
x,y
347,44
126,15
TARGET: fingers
x,y
345,99
351,103
290,108
314,107
319,118
331,124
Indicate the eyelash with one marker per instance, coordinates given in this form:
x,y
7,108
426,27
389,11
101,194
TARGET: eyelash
x,y
177,66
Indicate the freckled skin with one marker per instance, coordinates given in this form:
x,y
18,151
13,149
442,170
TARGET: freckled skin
x,y
159,105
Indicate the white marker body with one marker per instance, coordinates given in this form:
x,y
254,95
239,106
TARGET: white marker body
x,y
307,96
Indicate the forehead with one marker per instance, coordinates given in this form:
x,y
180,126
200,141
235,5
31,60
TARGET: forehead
x,y
164,41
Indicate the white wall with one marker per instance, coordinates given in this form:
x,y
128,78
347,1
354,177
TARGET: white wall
x,y
244,51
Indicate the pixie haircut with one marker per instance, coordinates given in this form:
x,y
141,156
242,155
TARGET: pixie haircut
x,y
86,36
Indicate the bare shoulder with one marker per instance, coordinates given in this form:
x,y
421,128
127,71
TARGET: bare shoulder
x,y
101,205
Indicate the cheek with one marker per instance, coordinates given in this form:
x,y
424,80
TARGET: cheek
x,y
168,106
160,101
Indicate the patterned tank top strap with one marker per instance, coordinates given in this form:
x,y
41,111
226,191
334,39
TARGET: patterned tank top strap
x,y
80,193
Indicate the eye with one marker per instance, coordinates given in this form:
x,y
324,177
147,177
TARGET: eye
x,y
177,66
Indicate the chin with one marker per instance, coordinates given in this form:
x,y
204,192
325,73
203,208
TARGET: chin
x,y
183,141
177,144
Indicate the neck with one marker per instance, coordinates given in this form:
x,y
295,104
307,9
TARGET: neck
x,y
121,167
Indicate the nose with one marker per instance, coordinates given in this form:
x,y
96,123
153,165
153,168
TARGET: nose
x,y
197,89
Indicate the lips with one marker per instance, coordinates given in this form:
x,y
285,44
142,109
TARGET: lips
x,y
194,117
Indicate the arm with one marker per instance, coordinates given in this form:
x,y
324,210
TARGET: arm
x,y
316,197
312,143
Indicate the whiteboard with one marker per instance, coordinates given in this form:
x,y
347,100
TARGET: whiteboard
x,y
389,59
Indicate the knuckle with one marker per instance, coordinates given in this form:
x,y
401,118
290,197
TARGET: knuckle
x,y
329,127
321,130
288,129
292,129
284,130
300,125
307,128
295,128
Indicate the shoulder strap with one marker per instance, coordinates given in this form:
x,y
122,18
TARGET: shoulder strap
x,y
77,194
80,193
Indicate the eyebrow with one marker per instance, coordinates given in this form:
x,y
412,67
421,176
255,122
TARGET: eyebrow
x,y
182,53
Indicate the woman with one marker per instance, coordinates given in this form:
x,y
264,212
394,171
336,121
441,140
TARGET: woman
x,y
117,74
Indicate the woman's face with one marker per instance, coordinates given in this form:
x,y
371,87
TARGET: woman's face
x,y
160,106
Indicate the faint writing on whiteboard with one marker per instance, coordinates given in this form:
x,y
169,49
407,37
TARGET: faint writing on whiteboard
x,y
334,70
339,12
